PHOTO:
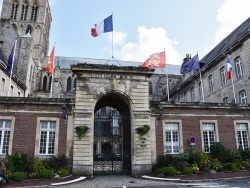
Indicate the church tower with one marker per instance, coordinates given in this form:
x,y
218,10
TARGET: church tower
x,y
29,22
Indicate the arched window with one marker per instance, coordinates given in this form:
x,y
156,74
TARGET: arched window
x,y
226,100
44,83
14,10
150,88
34,12
223,76
50,82
29,29
69,84
211,84
24,11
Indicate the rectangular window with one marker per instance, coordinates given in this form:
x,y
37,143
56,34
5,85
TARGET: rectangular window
x,y
208,136
47,137
211,84
201,90
172,138
192,94
242,134
238,65
5,127
2,86
11,90
243,97
223,77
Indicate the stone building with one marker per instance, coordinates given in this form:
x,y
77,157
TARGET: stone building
x,y
114,99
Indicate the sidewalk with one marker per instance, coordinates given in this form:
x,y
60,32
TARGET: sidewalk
x,y
180,178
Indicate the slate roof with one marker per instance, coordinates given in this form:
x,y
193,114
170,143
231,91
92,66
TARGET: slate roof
x,y
65,62
228,42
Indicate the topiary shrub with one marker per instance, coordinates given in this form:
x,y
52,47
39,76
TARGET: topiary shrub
x,y
18,176
142,130
168,171
81,131
46,174
187,170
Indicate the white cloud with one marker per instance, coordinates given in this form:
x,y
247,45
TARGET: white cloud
x,y
118,37
230,15
150,40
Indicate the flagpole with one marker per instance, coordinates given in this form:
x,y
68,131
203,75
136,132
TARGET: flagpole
x,y
232,82
112,36
52,79
167,88
12,65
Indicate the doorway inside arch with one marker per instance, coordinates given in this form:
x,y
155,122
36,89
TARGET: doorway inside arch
x,y
112,141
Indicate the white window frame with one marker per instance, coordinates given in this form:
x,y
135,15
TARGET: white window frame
x,y
179,122
38,133
216,134
238,67
2,86
192,95
236,123
243,97
200,89
12,119
211,84
223,76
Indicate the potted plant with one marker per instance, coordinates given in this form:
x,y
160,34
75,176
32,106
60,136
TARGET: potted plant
x,y
81,130
142,130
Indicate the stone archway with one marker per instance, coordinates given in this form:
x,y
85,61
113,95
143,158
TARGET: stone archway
x,y
125,89
112,136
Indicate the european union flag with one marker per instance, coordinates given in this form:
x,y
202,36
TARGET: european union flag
x,y
191,64
11,60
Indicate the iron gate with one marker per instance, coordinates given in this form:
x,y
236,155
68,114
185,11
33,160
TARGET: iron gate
x,y
112,143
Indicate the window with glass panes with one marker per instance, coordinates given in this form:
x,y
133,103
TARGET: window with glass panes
x,y
5,127
150,88
223,77
2,86
238,66
211,84
192,94
201,90
242,134
243,97
208,136
172,138
47,137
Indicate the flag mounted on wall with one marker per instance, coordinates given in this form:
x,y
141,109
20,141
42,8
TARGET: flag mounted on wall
x,y
229,68
103,27
50,66
191,64
11,60
156,60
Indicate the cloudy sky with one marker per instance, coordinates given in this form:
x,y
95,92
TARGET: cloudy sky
x,y
143,27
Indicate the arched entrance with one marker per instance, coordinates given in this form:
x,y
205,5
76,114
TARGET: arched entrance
x,y
112,136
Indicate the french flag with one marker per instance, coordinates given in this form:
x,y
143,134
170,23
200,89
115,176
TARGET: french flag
x,y
103,27
229,68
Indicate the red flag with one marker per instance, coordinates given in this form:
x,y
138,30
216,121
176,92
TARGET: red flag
x,y
156,60
50,66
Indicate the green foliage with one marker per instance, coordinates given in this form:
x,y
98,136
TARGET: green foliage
x,y
244,153
56,163
218,151
246,164
168,171
81,131
232,156
38,165
63,172
142,130
216,165
19,162
187,170
18,176
46,174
